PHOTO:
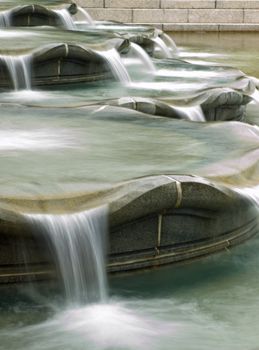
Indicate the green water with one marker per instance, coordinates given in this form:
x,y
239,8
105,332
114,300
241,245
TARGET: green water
x,y
56,141
209,304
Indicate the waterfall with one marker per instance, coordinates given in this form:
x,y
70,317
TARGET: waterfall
x,y
65,18
77,242
19,70
194,113
169,41
5,20
86,15
116,65
141,53
161,44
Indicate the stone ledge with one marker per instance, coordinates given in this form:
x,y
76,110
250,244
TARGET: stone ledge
x,y
190,27
111,14
187,4
160,15
215,16
146,4
230,4
90,3
210,27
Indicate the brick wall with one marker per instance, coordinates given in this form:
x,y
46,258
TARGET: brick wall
x,y
179,15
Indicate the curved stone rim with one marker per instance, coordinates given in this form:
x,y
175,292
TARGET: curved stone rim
x,y
154,221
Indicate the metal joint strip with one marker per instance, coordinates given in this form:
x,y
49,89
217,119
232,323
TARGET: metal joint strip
x,y
178,189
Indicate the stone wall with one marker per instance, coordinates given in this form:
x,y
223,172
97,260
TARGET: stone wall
x,y
179,15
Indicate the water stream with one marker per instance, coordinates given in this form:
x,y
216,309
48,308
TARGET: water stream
x,y
62,141
116,65
78,245
65,18
141,53
5,20
19,70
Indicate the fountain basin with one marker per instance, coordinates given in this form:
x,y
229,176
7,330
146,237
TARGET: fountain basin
x,y
216,105
56,64
153,221
36,15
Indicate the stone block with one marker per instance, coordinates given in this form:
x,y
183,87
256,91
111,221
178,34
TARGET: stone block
x,y
147,4
242,27
162,16
90,3
215,16
190,27
185,4
121,15
251,16
230,4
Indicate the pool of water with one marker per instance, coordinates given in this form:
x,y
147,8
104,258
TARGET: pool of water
x,y
54,142
209,304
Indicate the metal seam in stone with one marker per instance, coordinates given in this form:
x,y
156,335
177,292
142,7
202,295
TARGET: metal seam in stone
x,y
225,242
179,191
66,50
159,229
59,67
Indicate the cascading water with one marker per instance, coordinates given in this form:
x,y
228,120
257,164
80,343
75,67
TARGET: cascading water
x,y
169,42
77,242
194,113
87,18
144,57
19,70
5,20
116,65
162,46
65,18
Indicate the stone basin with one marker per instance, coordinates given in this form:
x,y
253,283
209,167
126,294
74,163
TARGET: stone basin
x,y
153,221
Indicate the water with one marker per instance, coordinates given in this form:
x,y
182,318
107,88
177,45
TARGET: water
x,y
5,19
19,70
169,43
66,18
191,113
162,46
116,65
78,244
62,142
87,18
144,57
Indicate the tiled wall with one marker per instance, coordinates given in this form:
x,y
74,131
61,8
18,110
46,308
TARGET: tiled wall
x,y
179,15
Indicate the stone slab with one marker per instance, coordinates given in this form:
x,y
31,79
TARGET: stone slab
x,y
185,4
147,4
215,16
230,4
239,27
160,15
190,27
90,3
251,16
120,15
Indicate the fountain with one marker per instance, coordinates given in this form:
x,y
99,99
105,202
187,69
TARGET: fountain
x,y
121,152
122,63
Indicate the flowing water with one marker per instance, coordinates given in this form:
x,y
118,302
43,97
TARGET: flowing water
x,y
19,70
66,19
64,141
78,245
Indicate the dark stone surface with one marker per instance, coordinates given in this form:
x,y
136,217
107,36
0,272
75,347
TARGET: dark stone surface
x,y
37,15
142,234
